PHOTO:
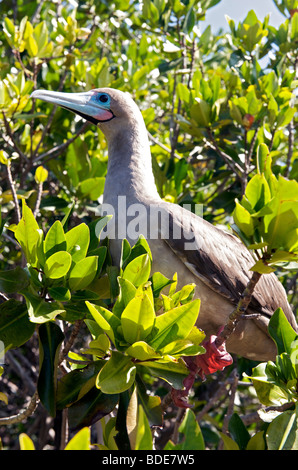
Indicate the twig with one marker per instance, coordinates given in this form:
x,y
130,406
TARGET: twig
x,y
232,393
290,149
3,296
255,417
213,401
229,161
60,148
69,343
161,145
179,418
15,145
38,200
23,414
240,309
13,191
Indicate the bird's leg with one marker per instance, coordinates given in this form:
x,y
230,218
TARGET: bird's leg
x,y
239,312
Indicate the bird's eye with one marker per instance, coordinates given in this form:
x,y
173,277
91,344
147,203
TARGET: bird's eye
x,y
103,98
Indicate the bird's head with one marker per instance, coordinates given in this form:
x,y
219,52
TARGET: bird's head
x,y
101,106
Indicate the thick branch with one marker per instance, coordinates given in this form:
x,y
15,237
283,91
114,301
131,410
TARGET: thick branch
x,y
23,414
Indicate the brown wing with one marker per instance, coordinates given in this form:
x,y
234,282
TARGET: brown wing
x,y
221,261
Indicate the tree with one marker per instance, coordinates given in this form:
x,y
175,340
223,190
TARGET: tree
x,y
221,114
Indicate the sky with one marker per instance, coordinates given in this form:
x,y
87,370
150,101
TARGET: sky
x,y
238,9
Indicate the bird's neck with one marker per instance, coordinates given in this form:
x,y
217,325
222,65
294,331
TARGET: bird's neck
x,y
130,172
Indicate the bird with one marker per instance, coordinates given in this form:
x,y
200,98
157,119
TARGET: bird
x,y
211,258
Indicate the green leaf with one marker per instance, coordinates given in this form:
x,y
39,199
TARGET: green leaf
x,y
41,311
193,439
281,332
92,187
13,280
15,327
50,339
143,439
243,220
268,391
201,112
77,242
257,192
238,431
41,174
74,385
107,321
229,443
117,375
172,371
90,408
26,442
55,240
264,160
282,433
138,270
137,319
60,293
174,324
83,273
28,234
142,351
159,282
80,441
257,442
127,290
57,265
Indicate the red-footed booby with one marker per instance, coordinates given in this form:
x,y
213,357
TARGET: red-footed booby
x,y
180,241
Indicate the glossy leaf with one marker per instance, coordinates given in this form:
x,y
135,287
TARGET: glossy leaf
x,y
50,339
282,332
91,408
41,311
83,273
57,265
28,234
55,239
77,242
80,441
26,442
174,324
138,319
15,327
13,280
138,270
117,375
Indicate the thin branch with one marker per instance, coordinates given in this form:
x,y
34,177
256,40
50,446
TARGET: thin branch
x,y
255,416
290,148
229,161
15,145
13,192
23,414
161,145
60,148
69,343
38,200
50,119
232,395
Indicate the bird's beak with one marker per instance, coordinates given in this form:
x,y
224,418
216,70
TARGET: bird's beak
x,y
83,104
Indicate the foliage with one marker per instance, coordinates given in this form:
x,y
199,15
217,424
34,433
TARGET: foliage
x,y
221,112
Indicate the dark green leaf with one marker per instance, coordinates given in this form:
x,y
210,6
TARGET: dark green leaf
x,y
13,280
50,339
15,327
